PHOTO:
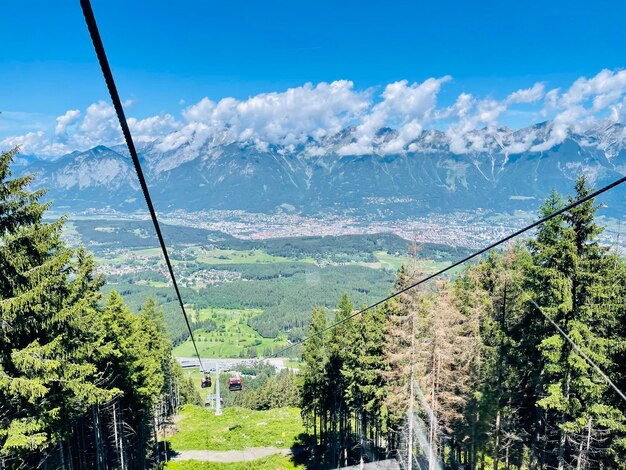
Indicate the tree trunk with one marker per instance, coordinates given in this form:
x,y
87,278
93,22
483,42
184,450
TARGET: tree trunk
x,y
410,418
82,446
362,435
156,443
583,452
496,442
61,455
496,439
116,438
162,420
506,459
588,443
97,438
563,437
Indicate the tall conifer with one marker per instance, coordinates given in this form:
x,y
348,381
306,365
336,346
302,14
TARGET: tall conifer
x,y
48,373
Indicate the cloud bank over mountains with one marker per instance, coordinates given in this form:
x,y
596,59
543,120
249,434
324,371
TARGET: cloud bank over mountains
x,y
309,114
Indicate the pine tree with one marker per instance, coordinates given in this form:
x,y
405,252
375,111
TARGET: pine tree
x,y
153,317
135,367
315,358
74,376
616,304
576,269
447,350
363,371
489,291
48,373
337,420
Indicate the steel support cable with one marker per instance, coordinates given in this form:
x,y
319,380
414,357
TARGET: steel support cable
x,y
460,262
117,104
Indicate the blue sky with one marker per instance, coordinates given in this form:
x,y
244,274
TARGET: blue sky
x,y
169,54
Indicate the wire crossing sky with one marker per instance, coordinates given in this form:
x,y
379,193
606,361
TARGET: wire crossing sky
x,y
110,82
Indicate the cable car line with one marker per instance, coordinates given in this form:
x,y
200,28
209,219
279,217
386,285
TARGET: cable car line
x,y
458,263
117,104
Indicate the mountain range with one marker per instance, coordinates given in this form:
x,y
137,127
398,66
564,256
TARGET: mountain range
x,y
313,178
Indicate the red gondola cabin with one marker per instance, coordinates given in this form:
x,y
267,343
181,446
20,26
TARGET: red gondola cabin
x,y
206,381
235,384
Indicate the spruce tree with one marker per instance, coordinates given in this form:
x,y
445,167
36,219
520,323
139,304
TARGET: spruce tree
x,y
616,304
574,271
338,425
363,372
488,291
315,358
152,318
48,373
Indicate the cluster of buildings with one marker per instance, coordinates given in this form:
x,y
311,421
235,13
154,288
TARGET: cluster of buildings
x,y
471,230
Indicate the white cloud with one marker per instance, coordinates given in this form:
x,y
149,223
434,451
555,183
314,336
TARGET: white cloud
x,y
618,112
200,111
67,119
152,128
404,107
528,95
550,102
295,116
34,143
99,126
472,115
580,105
286,118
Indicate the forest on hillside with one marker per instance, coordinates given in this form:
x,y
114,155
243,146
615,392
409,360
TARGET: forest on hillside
x,y
507,366
84,381
282,277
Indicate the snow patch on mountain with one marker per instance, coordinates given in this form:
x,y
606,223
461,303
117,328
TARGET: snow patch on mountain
x,y
314,176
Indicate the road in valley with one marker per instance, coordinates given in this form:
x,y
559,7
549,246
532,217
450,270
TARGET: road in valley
x,y
226,364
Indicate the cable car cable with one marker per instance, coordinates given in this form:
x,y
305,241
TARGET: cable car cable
x,y
458,263
117,104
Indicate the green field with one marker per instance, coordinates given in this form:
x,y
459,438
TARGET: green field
x,y
294,364
132,257
231,338
236,429
238,257
393,262
273,462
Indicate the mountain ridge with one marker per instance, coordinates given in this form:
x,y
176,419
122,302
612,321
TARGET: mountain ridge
x,y
428,176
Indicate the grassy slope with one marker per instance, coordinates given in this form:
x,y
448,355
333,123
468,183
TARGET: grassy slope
x,y
236,428
273,462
